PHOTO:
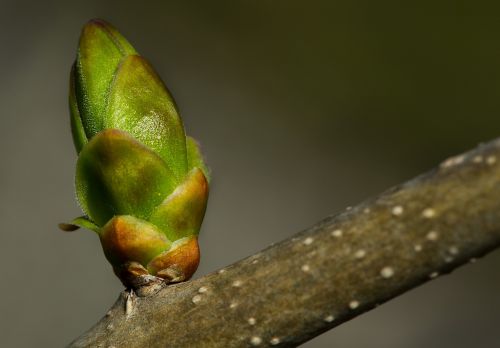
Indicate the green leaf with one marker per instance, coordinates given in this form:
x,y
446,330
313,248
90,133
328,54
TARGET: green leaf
x,y
100,51
195,157
79,136
117,175
181,214
76,223
140,104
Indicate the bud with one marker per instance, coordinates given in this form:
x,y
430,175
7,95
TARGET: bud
x,y
140,181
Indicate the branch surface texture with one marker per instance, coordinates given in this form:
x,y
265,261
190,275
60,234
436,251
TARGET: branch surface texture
x,y
342,267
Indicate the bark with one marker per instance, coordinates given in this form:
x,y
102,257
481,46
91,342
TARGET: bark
x,y
342,267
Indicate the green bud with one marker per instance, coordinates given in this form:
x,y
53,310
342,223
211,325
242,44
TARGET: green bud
x,y
142,184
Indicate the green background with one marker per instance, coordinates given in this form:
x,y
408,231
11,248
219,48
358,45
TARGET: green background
x,y
302,108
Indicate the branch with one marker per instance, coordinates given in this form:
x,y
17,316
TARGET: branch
x,y
340,268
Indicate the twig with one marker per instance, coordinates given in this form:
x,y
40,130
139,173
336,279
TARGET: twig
x,y
343,266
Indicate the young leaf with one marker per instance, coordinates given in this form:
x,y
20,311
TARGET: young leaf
x,y
100,51
140,104
79,136
181,214
195,157
117,175
76,223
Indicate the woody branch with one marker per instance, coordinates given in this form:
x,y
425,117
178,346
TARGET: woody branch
x,y
343,266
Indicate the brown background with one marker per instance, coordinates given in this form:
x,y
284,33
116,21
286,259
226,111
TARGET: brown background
x,y
302,108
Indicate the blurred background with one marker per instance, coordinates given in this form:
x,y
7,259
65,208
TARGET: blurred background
x,y
302,108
